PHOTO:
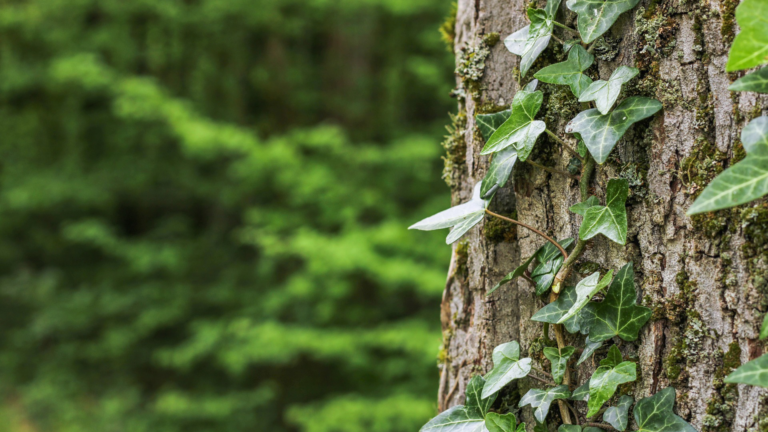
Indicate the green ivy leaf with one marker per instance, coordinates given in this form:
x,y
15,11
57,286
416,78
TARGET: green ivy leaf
x,y
581,393
540,427
531,40
474,395
461,218
550,260
750,48
589,348
605,93
559,359
754,82
611,220
606,380
613,357
596,16
507,366
463,418
501,423
618,314
531,86
553,312
764,330
618,416
753,373
654,414
744,181
488,123
582,207
585,289
540,400
520,130
601,132
516,273
500,170
570,72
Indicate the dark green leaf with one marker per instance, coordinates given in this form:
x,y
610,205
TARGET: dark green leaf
x,y
755,82
488,123
613,358
609,220
544,274
553,312
605,381
507,366
597,16
589,349
753,373
516,273
569,72
520,130
750,48
500,170
540,427
618,416
619,314
532,39
654,414
550,251
601,132
540,400
501,423
585,289
605,93
581,393
559,359
581,208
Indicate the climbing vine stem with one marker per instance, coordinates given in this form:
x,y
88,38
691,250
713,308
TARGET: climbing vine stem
x,y
564,144
524,225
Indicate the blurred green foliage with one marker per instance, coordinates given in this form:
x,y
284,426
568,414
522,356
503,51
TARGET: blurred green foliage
x,y
203,212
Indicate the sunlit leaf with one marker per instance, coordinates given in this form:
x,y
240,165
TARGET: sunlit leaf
x,y
559,359
462,217
618,416
597,16
531,40
605,93
750,48
516,273
654,414
520,130
501,423
753,373
507,366
585,289
540,400
589,348
609,220
618,314
743,182
488,123
607,379
581,208
569,72
601,132
754,82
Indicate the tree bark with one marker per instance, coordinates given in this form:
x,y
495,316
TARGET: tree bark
x,y
704,277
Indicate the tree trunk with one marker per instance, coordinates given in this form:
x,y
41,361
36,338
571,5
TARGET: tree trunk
x,y
703,276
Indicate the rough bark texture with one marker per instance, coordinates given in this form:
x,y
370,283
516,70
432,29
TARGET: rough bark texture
x,y
705,277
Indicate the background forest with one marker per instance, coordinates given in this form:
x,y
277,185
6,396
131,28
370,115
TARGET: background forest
x,y
203,207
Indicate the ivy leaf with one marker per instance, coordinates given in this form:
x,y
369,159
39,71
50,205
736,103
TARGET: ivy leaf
x,y
605,93
611,220
753,373
507,366
488,123
750,48
516,273
550,260
613,357
744,181
540,427
540,400
589,348
754,82
585,289
606,380
569,428
530,41
500,170
461,218
474,398
550,251
596,16
654,414
601,132
501,423
463,418
618,314
570,72
618,416
553,312
520,129
581,393
764,330
559,359
581,208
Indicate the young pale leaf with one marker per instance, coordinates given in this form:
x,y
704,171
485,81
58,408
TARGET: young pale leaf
x,y
516,273
530,41
462,217
605,93
753,373
619,314
750,48
520,129
611,220
456,419
460,229
507,366
618,416
764,330
501,423
601,132
581,393
605,381
488,123
531,86
570,72
553,312
589,349
754,82
597,16
582,207
585,289
744,181
500,170
540,400
654,414
474,398
559,359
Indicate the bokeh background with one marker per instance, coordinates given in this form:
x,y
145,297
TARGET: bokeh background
x,y
203,212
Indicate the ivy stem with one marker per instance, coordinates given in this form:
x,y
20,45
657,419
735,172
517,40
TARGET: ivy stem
x,y
547,382
591,47
546,333
565,27
564,144
557,38
528,278
524,225
575,413
605,426
541,372
552,170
